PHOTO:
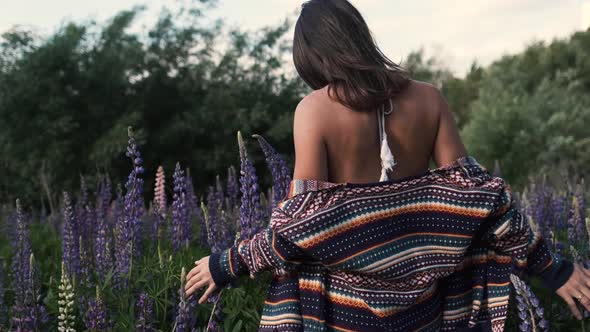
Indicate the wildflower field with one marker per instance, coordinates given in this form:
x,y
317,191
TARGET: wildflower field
x,y
110,262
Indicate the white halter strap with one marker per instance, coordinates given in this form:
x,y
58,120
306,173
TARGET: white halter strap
x,y
387,159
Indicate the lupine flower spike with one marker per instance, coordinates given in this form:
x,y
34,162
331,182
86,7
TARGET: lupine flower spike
x,y
66,318
127,244
95,318
181,227
160,189
530,312
281,173
184,319
145,312
70,238
250,208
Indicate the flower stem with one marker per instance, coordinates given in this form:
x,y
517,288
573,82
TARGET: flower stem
x,y
213,310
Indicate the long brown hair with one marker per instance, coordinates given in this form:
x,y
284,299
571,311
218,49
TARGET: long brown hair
x,y
333,46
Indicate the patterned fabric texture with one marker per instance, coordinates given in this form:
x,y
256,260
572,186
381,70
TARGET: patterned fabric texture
x,y
430,252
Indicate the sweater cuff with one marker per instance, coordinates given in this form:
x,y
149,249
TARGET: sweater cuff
x,y
220,268
558,273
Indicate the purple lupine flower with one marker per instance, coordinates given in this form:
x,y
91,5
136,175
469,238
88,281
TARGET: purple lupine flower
x,y
134,197
250,208
575,230
581,200
185,320
232,188
70,238
28,314
212,220
84,222
145,313
530,310
104,198
102,248
281,173
559,209
216,314
538,206
193,204
180,218
38,311
95,317
127,244
225,234
581,211
116,209
86,244
22,252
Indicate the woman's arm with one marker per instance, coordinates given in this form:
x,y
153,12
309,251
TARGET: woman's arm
x,y
570,281
536,259
556,273
267,250
311,161
447,145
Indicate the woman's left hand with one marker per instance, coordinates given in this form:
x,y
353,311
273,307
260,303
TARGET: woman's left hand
x,y
199,277
577,289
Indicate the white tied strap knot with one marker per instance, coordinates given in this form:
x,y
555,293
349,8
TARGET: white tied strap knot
x,y
387,159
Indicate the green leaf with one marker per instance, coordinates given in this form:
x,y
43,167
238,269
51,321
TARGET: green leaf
x,y
238,326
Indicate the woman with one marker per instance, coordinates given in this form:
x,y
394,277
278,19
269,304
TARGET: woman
x,y
340,145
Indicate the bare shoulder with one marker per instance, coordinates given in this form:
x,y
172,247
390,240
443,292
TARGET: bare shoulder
x,y
309,139
421,98
426,92
312,109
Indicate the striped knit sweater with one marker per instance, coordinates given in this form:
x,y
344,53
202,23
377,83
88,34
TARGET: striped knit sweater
x,y
430,252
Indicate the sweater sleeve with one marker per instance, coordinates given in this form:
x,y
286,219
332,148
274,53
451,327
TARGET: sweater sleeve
x,y
266,250
511,228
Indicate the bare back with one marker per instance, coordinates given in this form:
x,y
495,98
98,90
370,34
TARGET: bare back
x,y
419,129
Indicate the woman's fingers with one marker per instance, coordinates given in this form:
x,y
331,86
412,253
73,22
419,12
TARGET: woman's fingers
x,y
208,292
584,293
198,277
196,286
194,271
585,287
576,287
572,305
192,281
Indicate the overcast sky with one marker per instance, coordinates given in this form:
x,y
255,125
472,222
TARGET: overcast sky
x,y
456,31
